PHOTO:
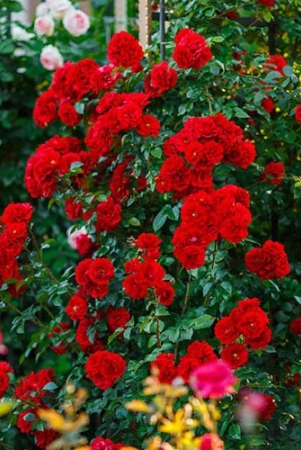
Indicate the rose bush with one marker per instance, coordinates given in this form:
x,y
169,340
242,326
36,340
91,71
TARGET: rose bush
x,y
189,260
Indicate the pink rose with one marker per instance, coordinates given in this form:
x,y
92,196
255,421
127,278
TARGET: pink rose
x,y
211,441
76,22
44,26
51,58
213,379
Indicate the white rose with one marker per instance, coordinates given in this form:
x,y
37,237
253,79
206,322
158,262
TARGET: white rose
x,y
44,26
51,58
76,22
20,34
60,8
42,10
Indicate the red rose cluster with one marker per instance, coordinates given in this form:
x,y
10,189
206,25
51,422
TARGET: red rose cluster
x,y
146,273
223,213
13,234
198,353
94,275
30,391
194,151
269,261
273,173
105,368
4,378
51,161
191,50
247,325
72,82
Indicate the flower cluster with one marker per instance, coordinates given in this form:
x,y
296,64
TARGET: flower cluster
x,y
198,353
13,234
105,368
31,392
146,274
194,151
223,213
246,325
94,275
75,21
269,261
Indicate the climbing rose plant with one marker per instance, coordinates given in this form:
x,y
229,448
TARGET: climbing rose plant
x,y
166,180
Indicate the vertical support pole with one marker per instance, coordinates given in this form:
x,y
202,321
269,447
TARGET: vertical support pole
x,y
162,29
120,10
145,22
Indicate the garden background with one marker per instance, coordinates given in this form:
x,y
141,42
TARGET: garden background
x,y
150,221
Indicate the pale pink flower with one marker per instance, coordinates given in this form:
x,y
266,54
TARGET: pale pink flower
x,y
42,9
213,380
44,25
60,8
76,22
51,58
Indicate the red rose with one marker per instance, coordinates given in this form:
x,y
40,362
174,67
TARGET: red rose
x,y
124,50
164,292
17,213
268,104
105,368
165,364
68,114
268,3
88,343
31,387
161,79
149,244
298,114
117,318
202,351
190,256
4,378
235,354
191,50
77,307
226,330
274,173
108,215
149,126
268,262
45,108
295,326
186,366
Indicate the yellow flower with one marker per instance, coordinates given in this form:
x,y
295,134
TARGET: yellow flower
x,y
180,423
57,422
138,406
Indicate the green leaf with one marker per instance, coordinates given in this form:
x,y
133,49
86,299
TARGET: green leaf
x,y
218,39
7,47
159,221
241,113
50,386
204,321
135,222
234,431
